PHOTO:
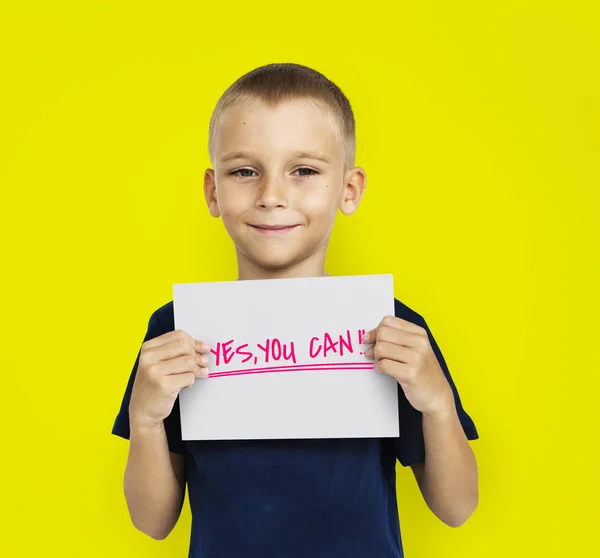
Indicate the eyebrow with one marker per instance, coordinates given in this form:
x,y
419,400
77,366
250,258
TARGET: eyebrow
x,y
319,156
235,155
312,155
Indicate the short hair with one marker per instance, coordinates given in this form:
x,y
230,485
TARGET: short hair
x,y
274,83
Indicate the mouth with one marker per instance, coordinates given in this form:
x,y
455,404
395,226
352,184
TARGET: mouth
x,y
274,230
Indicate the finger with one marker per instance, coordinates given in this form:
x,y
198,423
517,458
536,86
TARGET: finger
x,y
168,338
398,336
181,365
179,345
400,371
400,323
185,360
371,335
390,351
202,362
202,373
201,347
181,381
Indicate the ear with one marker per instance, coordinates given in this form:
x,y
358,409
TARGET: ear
x,y
355,183
210,192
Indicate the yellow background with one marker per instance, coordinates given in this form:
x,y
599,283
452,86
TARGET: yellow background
x,y
479,128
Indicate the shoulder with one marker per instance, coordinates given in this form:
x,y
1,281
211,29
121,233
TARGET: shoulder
x,y
164,317
403,311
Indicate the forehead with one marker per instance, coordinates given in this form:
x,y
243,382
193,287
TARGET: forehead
x,y
296,124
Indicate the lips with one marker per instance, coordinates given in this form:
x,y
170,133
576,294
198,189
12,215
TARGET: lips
x,y
273,229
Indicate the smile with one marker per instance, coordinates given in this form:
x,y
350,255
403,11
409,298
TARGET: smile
x,y
274,230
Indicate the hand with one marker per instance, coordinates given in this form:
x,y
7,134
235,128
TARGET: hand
x,y
167,364
402,350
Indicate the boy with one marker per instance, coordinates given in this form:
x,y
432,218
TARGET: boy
x,y
282,144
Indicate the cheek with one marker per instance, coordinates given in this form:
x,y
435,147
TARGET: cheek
x,y
232,202
322,206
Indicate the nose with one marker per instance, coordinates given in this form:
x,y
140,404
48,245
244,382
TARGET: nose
x,y
271,193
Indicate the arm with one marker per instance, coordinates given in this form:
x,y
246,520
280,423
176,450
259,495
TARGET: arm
x,y
154,481
448,480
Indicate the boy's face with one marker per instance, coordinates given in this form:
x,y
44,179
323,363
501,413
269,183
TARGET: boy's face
x,y
278,182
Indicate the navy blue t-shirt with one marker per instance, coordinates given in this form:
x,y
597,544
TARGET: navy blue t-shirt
x,y
295,498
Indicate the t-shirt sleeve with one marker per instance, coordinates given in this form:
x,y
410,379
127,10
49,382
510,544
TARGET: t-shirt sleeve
x,y
410,446
172,422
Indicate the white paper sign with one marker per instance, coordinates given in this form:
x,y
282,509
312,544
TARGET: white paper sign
x,y
287,359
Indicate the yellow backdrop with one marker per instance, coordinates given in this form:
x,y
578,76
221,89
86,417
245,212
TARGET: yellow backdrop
x,y
479,129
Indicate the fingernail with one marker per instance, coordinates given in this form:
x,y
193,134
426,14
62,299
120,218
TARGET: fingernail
x,y
204,359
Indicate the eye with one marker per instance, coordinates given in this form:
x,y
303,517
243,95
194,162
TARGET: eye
x,y
310,172
238,171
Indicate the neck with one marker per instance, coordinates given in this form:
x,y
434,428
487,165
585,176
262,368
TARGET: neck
x,y
314,266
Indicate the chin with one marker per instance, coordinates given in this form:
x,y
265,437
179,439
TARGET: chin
x,y
275,264
274,260
277,257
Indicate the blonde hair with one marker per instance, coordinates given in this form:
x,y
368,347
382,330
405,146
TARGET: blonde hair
x,y
274,83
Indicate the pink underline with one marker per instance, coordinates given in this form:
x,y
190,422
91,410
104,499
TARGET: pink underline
x,y
297,368
300,366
